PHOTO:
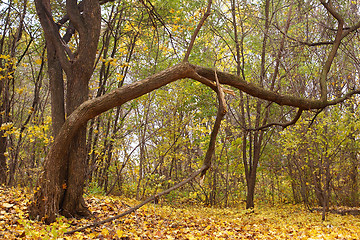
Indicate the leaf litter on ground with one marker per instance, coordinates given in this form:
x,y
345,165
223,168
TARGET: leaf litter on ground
x,y
159,221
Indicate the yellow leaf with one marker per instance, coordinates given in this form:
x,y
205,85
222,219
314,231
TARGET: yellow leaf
x,y
4,56
105,232
120,233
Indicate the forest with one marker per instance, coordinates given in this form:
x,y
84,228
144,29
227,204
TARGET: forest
x,y
177,119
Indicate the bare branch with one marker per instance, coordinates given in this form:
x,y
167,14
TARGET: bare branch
x,y
310,44
196,32
133,209
315,116
335,47
75,17
283,125
221,97
222,110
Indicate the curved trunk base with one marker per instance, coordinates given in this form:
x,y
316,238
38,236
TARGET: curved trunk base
x,y
45,205
77,210
47,209
62,185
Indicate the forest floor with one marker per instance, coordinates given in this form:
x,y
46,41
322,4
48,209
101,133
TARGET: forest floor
x,y
167,222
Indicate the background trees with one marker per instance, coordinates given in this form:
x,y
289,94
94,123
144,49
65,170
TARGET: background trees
x,y
301,56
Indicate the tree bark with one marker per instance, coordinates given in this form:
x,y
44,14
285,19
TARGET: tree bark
x,y
56,82
73,203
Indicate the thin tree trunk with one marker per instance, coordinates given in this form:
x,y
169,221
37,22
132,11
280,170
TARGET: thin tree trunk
x,y
354,172
3,167
141,164
3,140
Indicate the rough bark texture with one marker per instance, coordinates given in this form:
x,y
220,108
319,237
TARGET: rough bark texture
x,y
73,203
61,186
56,81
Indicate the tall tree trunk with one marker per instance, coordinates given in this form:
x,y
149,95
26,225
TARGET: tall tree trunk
x,y
3,141
258,135
252,169
73,202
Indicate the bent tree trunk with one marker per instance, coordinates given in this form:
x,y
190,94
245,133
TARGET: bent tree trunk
x,y
66,177
61,186
46,203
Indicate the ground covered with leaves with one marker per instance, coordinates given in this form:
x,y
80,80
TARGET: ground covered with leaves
x,y
159,221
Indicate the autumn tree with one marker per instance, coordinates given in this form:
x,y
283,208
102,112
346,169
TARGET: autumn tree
x,y
61,186
78,68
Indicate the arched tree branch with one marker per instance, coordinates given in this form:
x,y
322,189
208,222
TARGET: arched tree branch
x,y
41,205
265,94
222,109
